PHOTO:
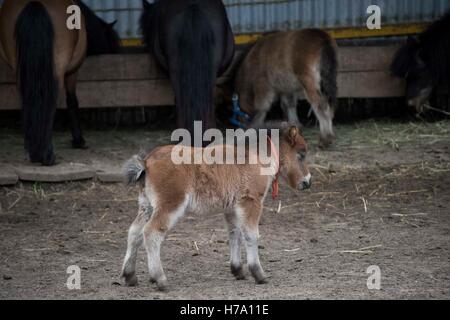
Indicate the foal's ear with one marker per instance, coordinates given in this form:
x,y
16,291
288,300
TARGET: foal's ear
x,y
293,135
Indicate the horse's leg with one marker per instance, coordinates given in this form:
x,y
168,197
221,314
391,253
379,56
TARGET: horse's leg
x,y
235,236
135,239
72,107
289,107
322,111
264,96
249,211
162,220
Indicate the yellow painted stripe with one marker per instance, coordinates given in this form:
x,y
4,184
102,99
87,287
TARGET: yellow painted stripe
x,y
388,30
354,33
131,42
337,33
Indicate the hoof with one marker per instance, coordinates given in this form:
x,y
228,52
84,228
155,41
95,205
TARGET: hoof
x,y
238,272
131,280
49,161
240,277
258,274
79,144
163,286
325,142
261,281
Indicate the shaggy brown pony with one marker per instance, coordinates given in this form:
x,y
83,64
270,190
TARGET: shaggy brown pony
x,y
284,65
168,191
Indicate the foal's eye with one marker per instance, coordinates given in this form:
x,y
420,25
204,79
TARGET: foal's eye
x,y
301,156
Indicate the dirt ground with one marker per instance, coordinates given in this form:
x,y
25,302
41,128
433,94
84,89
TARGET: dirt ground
x,y
380,197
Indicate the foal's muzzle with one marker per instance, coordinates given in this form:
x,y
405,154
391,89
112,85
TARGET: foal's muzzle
x,y
305,183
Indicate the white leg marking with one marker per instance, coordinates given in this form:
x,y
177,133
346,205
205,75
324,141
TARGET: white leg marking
x,y
153,243
251,236
135,237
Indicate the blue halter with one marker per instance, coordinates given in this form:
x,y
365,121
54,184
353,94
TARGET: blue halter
x,y
238,113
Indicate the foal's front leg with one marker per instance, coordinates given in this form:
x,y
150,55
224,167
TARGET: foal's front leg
x,y
289,107
264,96
249,211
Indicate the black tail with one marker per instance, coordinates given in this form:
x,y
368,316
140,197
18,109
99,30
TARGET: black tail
x,y
328,72
38,86
196,76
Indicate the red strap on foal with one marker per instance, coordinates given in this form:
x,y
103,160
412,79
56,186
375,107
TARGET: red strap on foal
x,y
275,187
273,150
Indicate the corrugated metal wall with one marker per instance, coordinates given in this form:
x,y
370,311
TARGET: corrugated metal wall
x,y
252,16
260,16
126,12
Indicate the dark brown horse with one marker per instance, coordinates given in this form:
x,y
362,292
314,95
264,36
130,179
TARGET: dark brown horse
x,y
192,40
36,42
424,62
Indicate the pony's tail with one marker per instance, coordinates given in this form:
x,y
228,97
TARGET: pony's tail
x,y
37,83
134,170
196,75
328,72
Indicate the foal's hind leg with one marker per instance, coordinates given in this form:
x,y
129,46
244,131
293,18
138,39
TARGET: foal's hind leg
x,y
289,107
322,111
235,237
249,211
163,219
73,109
135,239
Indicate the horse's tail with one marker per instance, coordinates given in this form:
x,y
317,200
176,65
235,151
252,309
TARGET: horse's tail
x,y
328,71
134,169
37,83
196,74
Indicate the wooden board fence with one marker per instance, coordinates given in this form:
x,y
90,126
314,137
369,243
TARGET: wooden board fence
x,y
135,80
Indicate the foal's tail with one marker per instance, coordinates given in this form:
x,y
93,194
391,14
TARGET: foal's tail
x,y
328,71
37,83
196,75
134,170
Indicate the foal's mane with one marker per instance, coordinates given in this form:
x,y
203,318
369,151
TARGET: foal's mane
x,y
282,126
